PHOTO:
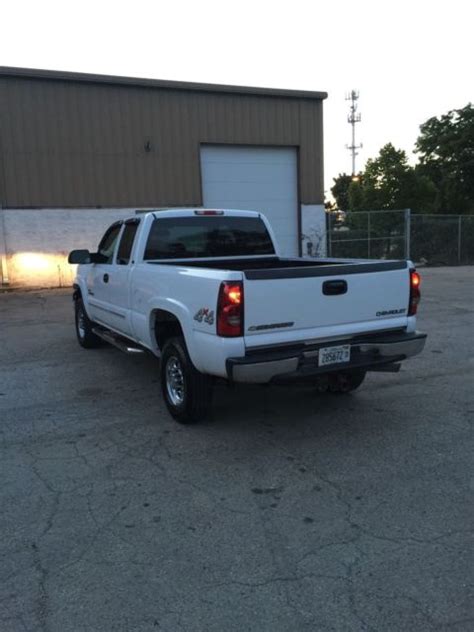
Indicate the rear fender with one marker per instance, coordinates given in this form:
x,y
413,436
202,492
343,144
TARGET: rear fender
x,y
182,314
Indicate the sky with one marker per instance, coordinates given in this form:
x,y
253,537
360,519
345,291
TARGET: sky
x,y
409,59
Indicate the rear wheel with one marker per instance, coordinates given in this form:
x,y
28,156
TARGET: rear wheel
x,y
346,381
85,336
187,392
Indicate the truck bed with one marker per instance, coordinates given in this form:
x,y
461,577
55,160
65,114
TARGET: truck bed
x,y
278,268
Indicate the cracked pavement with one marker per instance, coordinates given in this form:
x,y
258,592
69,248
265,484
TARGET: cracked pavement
x,y
289,510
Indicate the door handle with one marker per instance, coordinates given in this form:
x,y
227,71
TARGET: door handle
x,y
333,288
106,278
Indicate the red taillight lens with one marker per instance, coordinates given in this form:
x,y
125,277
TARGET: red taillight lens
x,y
230,309
415,295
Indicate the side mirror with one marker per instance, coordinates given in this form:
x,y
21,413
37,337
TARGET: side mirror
x,y
79,256
84,257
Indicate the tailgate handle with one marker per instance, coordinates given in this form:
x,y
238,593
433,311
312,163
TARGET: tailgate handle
x,y
331,288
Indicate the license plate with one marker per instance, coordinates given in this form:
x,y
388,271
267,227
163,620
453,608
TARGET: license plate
x,y
334,355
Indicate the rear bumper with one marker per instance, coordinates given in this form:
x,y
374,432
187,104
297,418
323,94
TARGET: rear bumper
x,y
285,364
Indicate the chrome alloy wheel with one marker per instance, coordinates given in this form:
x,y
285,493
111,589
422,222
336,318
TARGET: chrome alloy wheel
x,y
175,381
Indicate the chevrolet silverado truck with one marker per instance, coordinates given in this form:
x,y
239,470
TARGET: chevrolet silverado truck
x,y
208,293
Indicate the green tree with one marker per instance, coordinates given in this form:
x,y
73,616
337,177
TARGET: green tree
x,y
446,150
389,182
340,191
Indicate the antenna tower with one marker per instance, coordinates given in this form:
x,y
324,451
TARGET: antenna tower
x,y
352,118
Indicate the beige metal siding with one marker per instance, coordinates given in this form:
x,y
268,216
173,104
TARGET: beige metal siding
x,y
73,143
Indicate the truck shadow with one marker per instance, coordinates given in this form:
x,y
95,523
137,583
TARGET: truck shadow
x,y
283,408
251,410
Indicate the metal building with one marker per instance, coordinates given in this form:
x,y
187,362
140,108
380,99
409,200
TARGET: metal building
x,y
73,142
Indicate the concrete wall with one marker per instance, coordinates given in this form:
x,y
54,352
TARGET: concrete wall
x,y
35,243
313,230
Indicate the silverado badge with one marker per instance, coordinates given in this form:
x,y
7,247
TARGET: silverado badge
x,y
391,312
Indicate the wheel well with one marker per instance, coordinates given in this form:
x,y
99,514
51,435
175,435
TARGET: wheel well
x,y
166,326
76,292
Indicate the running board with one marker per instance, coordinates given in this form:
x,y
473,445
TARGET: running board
x,y
127,346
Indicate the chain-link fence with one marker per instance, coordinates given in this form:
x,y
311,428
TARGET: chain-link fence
x,y
369,234
431,239
442,239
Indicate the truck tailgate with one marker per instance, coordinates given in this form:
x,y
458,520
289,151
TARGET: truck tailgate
x,y
297,304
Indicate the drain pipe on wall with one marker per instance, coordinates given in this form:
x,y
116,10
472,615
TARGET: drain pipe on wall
x,y
4,280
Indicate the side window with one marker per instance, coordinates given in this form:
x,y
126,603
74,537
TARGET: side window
x,y
126,243
109,240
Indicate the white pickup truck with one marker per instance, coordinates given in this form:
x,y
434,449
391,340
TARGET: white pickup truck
x,y
206,291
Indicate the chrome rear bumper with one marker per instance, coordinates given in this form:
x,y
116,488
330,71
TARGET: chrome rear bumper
x,y
366,353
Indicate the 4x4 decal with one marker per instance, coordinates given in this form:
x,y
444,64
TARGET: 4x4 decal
x,y
204,314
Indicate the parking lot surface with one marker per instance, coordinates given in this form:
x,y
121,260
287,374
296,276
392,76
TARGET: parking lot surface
x,y
288,510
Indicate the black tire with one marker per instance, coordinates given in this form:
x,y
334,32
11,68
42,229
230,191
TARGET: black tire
x,y
186,391
85,336
346,381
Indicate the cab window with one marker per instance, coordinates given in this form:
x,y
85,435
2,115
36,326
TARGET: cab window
x,y
108,243
126,243
194,237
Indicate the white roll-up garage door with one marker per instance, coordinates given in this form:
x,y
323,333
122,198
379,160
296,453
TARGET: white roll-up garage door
x,y
257,179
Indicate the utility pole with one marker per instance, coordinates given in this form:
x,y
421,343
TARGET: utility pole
x,y
353,117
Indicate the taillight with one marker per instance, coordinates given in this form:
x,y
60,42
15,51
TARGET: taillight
x,y
415,281
230,309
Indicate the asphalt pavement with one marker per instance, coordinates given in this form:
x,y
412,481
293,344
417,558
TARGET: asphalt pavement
x,y
289,510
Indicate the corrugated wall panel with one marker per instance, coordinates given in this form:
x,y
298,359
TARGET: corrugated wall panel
x,y
311,180
69,144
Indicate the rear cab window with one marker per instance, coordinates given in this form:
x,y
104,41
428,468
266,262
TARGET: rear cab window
x,y
202,237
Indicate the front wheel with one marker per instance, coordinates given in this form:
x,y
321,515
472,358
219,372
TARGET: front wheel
x,y
85,336
187,392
